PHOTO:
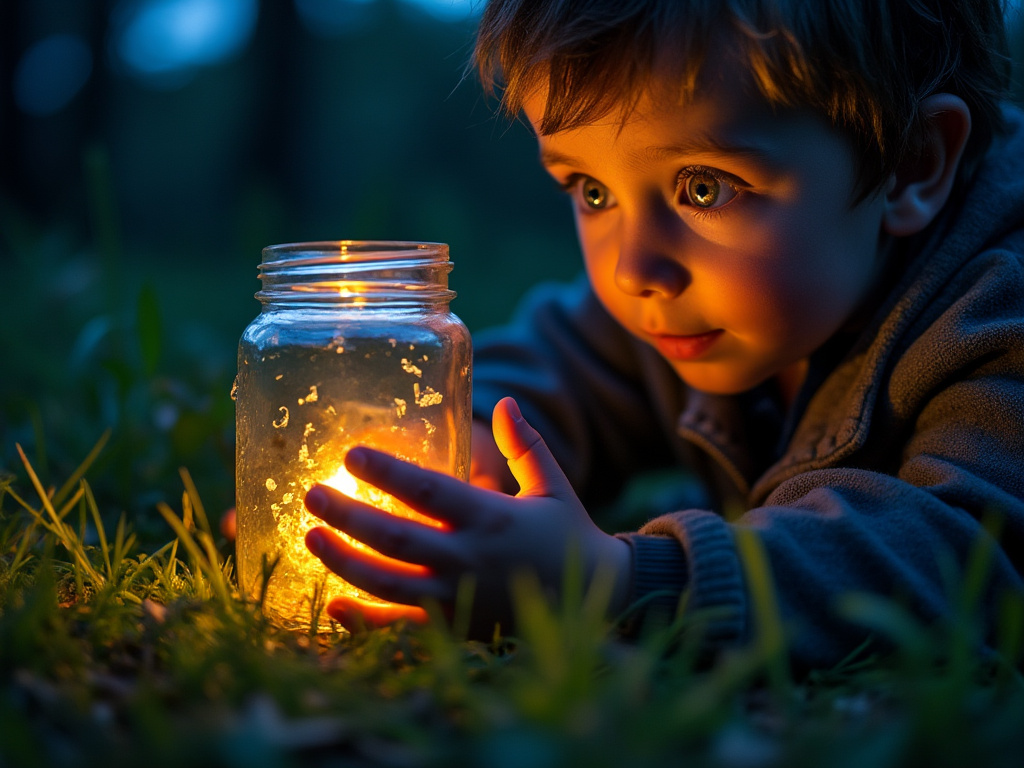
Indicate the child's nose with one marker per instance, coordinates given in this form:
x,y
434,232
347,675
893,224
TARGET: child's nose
x,y
648,264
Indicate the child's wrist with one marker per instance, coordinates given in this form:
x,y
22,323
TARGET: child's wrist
x,y
618,560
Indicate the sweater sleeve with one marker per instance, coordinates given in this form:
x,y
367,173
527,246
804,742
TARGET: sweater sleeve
x,y
832,532
689,555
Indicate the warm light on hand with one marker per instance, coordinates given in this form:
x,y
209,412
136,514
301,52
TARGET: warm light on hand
x,y
485,536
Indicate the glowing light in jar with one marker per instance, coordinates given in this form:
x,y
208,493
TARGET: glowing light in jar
x,y
343,481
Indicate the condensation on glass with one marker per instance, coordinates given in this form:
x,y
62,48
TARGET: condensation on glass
x,y
355,345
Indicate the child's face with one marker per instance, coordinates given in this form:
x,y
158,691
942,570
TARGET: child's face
x,y
720,231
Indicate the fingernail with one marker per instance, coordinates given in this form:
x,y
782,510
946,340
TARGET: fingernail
x,y
514,412
316,500
315,542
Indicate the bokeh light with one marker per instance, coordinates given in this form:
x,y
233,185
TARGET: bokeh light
x,y
165,41
51,73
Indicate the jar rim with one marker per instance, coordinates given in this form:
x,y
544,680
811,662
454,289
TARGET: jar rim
x,y
395,273
295,254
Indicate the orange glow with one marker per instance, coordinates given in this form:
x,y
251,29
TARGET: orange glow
x,y
401,430
344,481
351,289
354,613
328,467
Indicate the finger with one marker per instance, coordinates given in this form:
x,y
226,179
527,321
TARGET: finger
x,y
383,577
357,615
487,466
327,545
434,494
529,457
394,537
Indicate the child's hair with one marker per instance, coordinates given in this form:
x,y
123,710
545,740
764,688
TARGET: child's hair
x,y
865,65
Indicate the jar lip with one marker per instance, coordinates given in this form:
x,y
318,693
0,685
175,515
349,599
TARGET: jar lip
x,y
322,252
385,273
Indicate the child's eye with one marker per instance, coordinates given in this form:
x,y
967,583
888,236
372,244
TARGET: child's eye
x,y
592,193
705,188
595,194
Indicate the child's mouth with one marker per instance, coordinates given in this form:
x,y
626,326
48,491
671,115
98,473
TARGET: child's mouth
x,y
686,347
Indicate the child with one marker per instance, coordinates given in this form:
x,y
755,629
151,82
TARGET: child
x,y
803,227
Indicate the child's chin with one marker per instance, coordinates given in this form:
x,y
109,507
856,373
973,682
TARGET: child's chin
x,y
716,379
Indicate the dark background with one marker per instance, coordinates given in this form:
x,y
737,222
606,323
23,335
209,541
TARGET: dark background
x,y
141,174
329,119
150,148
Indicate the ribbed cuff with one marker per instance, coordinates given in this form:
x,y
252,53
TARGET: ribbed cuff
x,y
691,551
716,575
658,580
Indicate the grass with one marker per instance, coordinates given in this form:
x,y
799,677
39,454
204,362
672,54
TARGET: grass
x,y
112,654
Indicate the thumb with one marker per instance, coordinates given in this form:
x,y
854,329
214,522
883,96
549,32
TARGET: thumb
x,y
529,457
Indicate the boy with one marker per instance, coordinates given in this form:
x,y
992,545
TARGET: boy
x,y
803,227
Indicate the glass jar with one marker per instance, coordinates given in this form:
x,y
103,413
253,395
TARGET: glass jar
x,y
355,345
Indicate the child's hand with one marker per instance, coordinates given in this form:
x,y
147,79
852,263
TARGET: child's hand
x,y
488,467
488,535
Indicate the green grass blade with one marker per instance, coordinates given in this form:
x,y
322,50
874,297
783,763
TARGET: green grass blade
x,y
202,521
38,516
67,537
120,546
537,623
79,473
83,521
192,505
150,562
90,502
209,568
22,555
187,519
770,634
69,505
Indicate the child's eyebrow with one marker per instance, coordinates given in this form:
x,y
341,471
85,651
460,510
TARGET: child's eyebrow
x,y
549,157
696,145
706,145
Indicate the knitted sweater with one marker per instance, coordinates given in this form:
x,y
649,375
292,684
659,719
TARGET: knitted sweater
x,y
905,440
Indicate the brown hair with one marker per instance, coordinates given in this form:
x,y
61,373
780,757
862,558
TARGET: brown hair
x,y
865,65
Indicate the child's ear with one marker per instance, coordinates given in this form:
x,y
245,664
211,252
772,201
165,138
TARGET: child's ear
x,y
921,186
